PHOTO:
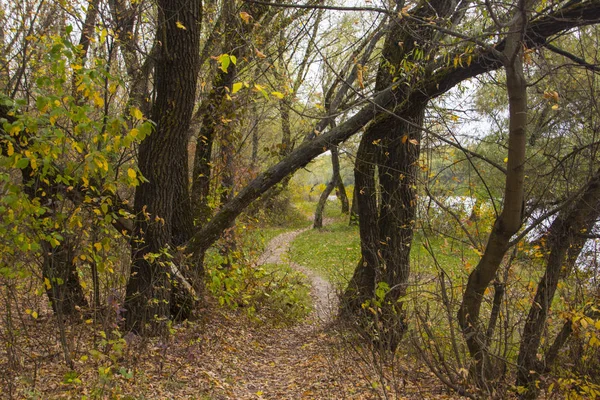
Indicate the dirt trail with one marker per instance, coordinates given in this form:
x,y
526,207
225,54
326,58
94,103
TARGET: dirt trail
x,y
293,362
324,298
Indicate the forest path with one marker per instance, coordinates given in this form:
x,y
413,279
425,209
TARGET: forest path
x,y
294,362
323,294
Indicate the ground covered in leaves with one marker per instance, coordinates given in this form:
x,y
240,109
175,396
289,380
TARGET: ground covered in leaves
x,y
225,355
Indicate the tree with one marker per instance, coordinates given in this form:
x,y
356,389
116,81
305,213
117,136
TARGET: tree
x,y
163,162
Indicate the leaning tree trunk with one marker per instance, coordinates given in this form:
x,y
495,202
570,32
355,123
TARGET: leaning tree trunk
x,y
510,219
421,90
563,243
161,157
336,181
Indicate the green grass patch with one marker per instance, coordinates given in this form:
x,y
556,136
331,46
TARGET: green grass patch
x,y
332,251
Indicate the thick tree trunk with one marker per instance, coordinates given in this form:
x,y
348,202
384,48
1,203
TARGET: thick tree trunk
x,y
162,156
387,229
361,287
563,244
398,177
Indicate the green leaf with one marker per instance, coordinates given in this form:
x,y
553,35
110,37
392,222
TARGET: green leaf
x,y
22,163
224,60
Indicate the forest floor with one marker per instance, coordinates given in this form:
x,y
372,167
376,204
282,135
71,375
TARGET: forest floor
x,y
227,355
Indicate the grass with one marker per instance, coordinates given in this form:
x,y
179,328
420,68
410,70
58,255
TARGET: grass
x,y
332,251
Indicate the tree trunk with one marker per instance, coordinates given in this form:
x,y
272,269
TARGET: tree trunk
x,y
162,156
318,219
563,244
509,221
398,176
387,229
353,220
61,279
361,287
337,177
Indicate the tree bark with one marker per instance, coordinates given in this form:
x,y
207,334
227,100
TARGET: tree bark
x,y
353,220
387,233
61,279
162,156
361,287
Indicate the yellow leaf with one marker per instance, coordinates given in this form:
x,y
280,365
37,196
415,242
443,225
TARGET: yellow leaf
x,y
236,87
98,246
413,141
505,159
259,54
555,107
245,17
136,113
279,95
34,314
404,139
47,283
131,173
77,67
99,101
11,150
180,25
